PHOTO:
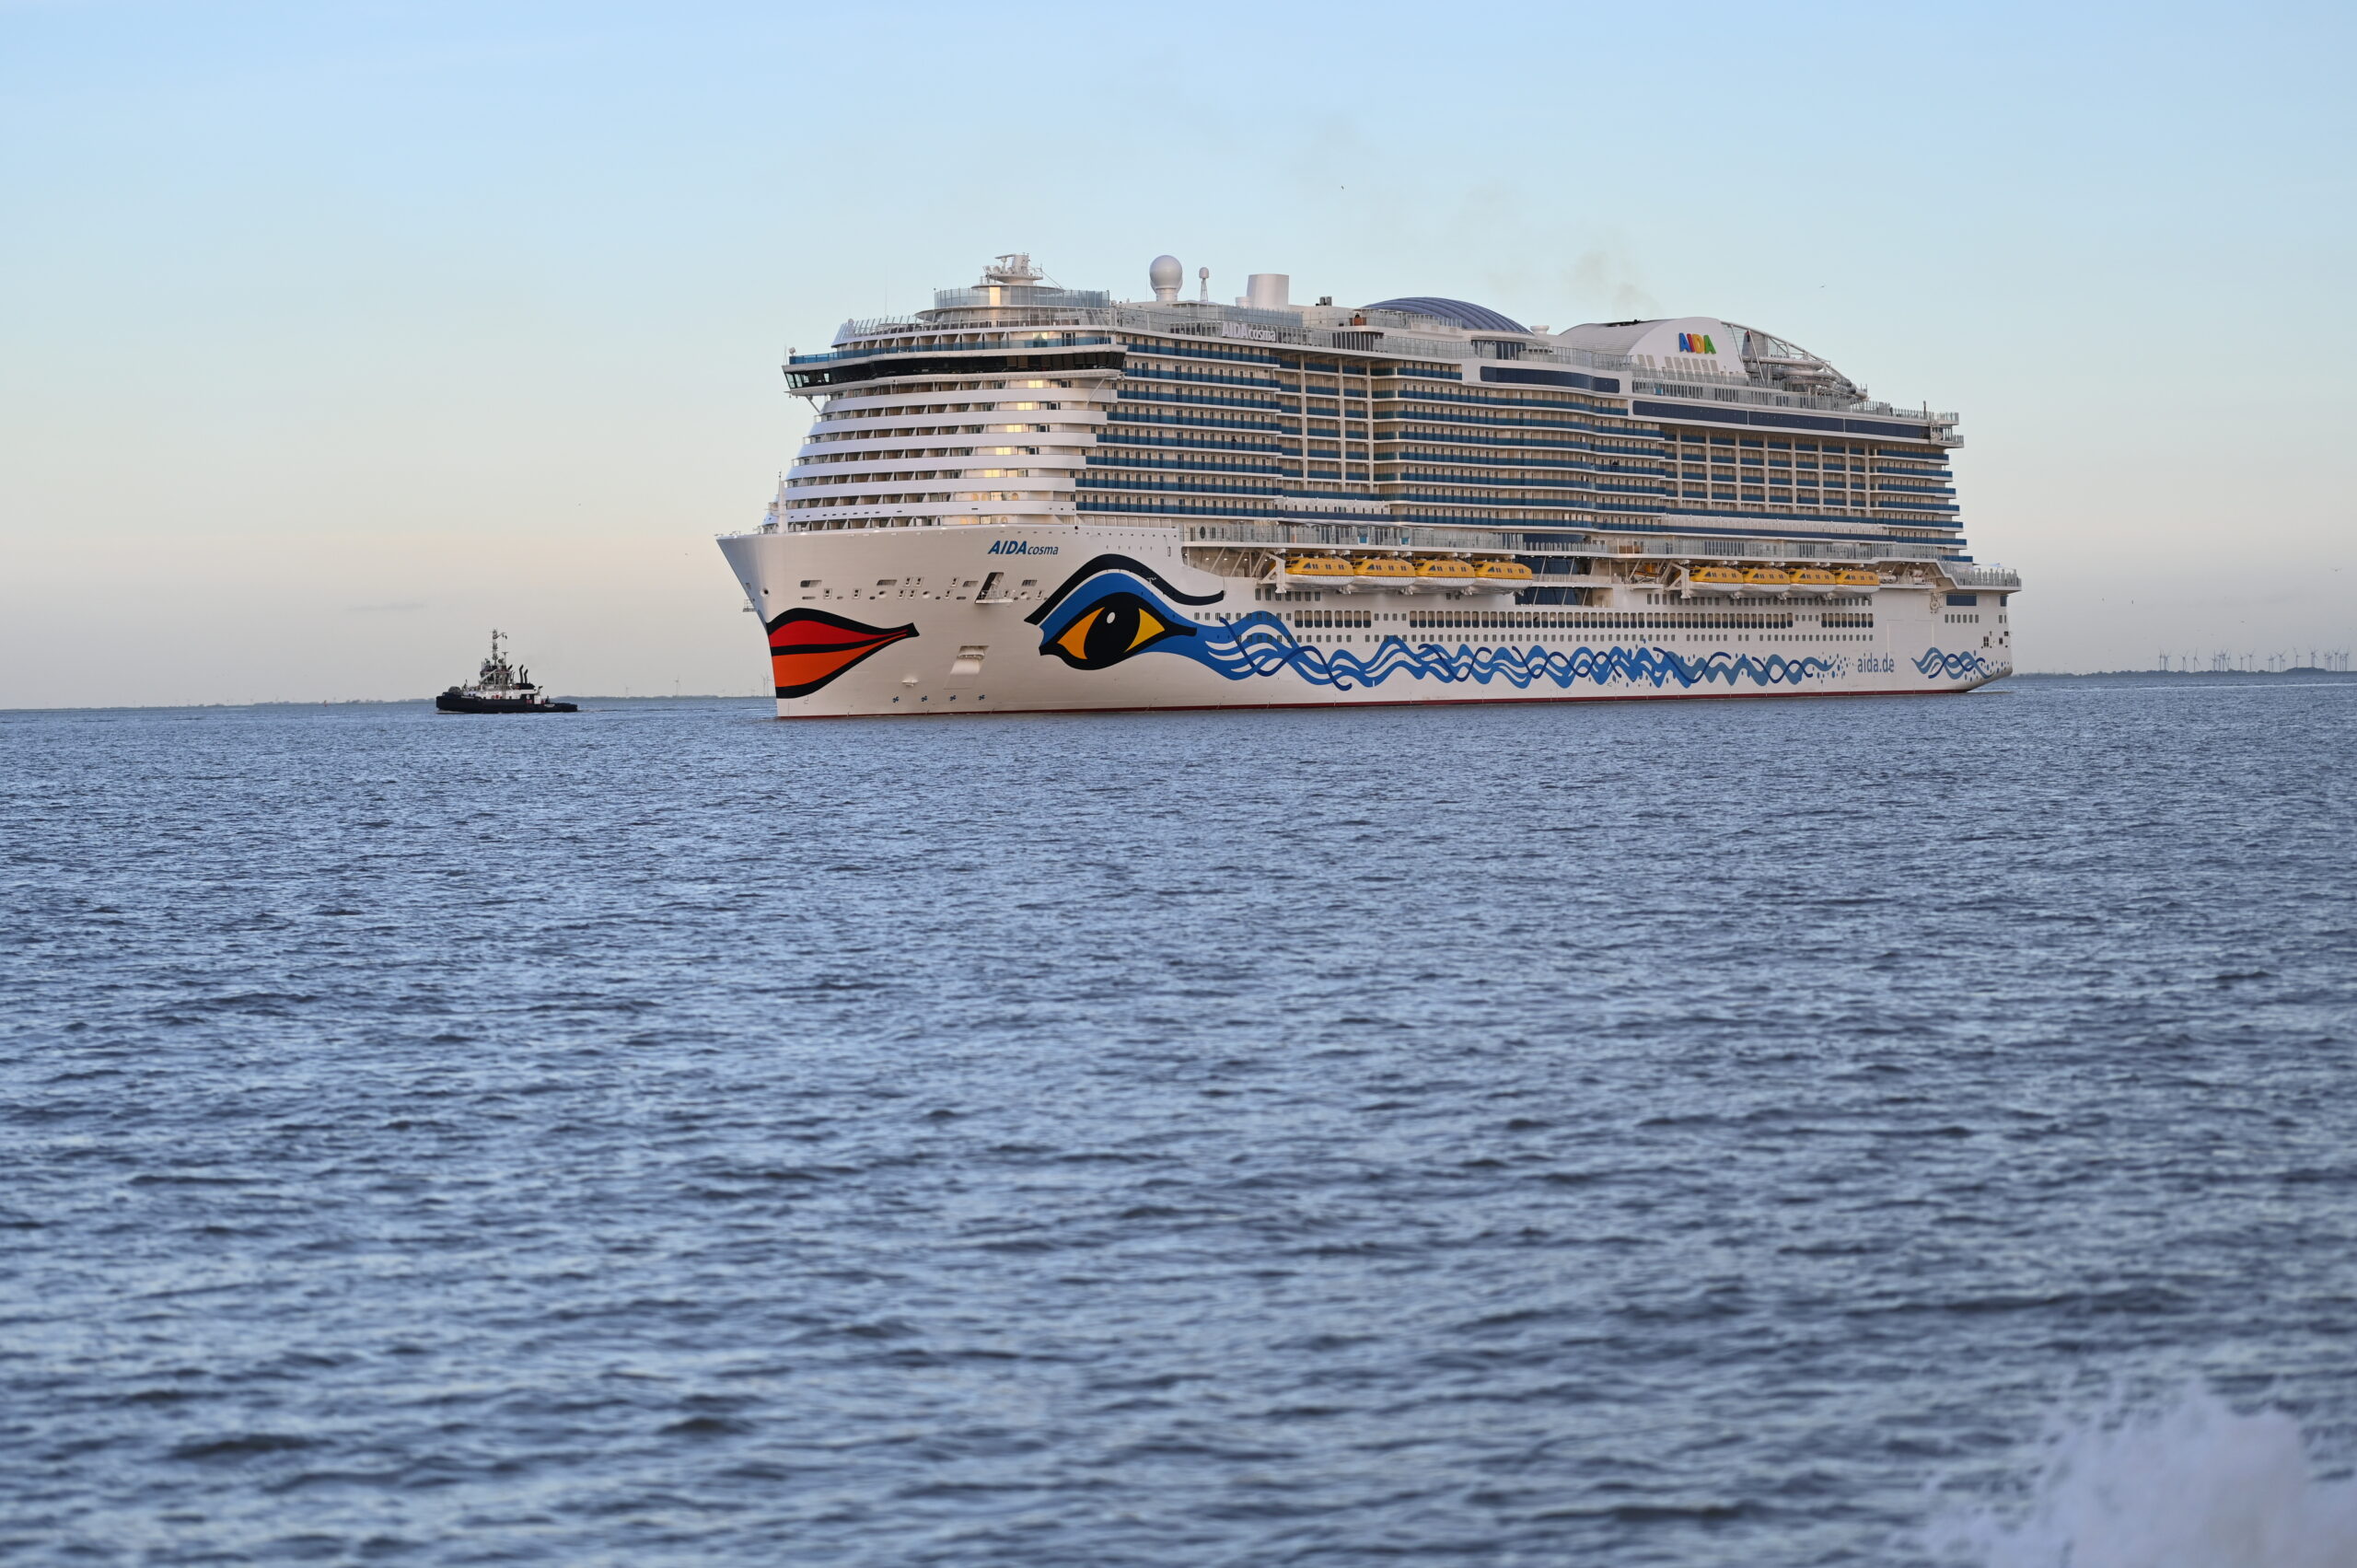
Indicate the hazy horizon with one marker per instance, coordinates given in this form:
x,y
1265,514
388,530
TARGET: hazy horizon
x,y
340,338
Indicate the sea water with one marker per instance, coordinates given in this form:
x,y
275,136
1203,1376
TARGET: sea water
x,y
1778,1132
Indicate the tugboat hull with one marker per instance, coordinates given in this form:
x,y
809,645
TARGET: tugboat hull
x,y
458,702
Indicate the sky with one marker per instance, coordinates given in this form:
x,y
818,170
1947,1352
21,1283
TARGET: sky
x,y
333,335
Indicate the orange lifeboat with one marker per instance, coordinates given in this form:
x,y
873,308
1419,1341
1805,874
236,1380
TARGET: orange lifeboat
x,y
1317,566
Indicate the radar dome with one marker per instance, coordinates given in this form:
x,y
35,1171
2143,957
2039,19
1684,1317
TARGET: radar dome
x,y
1166,275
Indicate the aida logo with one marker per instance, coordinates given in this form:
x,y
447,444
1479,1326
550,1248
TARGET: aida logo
x,y
1696,343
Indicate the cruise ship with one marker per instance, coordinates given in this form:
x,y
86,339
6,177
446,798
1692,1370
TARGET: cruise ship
x,y
1036,498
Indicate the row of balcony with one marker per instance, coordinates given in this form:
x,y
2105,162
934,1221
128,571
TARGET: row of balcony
x,y
1189,319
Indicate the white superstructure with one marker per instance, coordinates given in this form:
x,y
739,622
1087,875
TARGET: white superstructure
x,y
1031,497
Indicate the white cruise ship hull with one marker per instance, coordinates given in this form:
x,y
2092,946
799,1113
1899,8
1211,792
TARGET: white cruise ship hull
x,y
1061,617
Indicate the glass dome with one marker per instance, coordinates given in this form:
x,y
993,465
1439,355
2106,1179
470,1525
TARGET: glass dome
x,y
1474,317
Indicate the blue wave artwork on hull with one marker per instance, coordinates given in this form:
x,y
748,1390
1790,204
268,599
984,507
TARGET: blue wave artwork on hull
x,y
1114,608
1955,666
1261,644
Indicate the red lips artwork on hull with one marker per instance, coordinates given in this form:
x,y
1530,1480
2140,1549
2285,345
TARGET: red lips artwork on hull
x,y
810,647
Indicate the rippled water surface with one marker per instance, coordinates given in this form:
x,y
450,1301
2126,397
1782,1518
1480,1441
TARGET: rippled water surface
x,y
1678,1133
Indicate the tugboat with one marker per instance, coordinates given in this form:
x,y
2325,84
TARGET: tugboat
x,y
500,687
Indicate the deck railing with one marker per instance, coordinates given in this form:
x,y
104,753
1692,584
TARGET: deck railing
x,y
1770,549
1395,535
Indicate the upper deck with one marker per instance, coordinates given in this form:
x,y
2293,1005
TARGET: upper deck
x,y
1019,400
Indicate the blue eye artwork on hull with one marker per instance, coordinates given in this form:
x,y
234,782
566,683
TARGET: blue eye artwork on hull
x,y
1114,609
1111,608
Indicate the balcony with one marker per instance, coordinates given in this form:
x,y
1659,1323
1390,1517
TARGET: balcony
x,y
1384,536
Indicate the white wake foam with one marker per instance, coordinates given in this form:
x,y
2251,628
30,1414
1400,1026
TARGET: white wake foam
x,y
2186,1484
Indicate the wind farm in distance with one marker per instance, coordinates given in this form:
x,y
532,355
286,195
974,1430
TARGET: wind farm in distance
x,y
2329,661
